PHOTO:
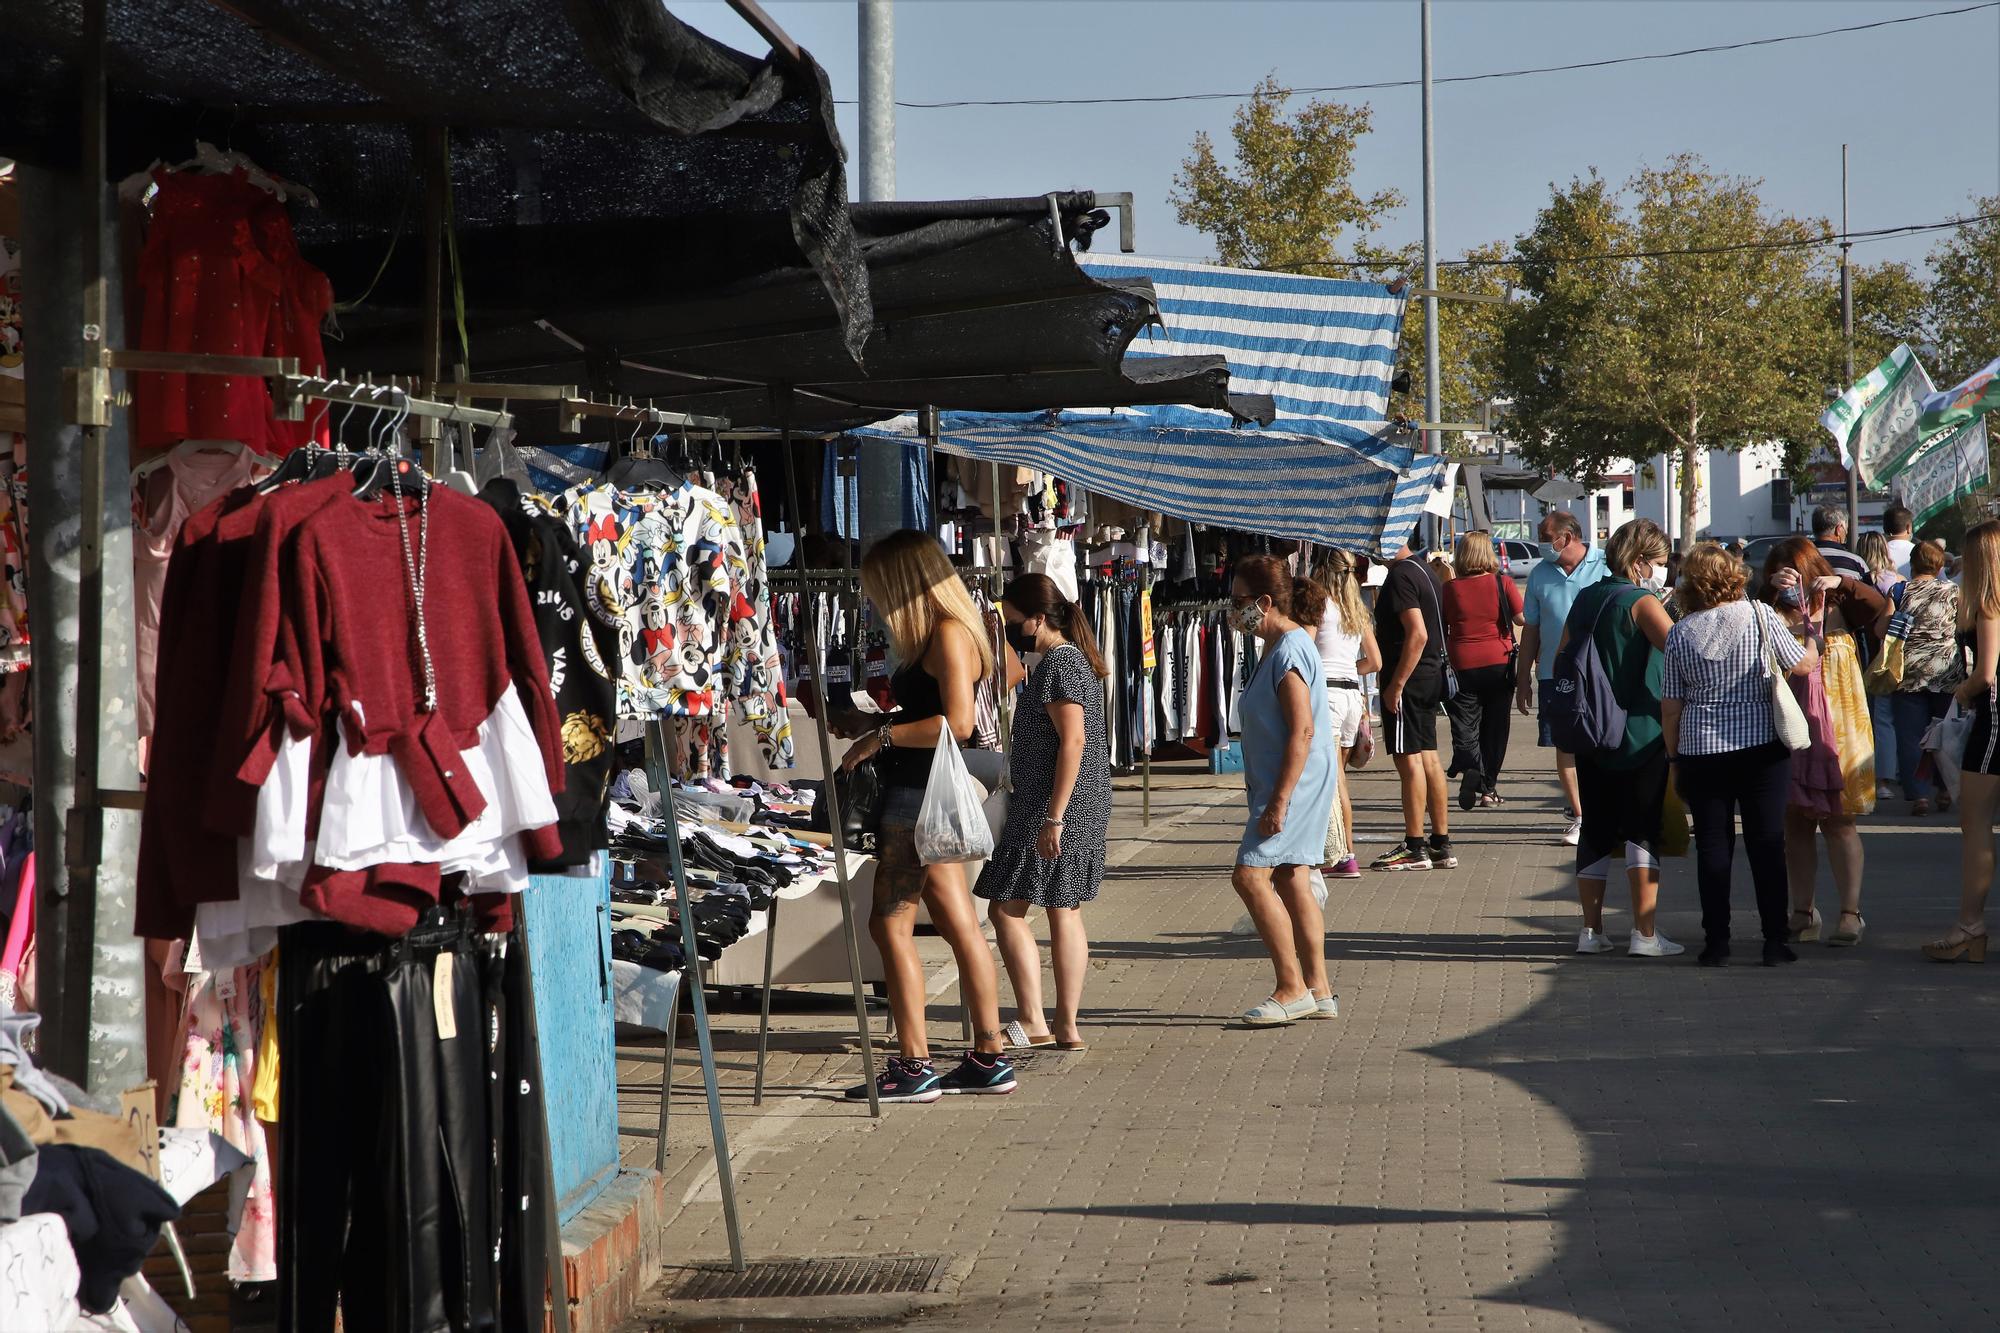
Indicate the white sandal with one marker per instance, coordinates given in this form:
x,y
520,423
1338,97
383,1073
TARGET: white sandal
x,y
1273,1013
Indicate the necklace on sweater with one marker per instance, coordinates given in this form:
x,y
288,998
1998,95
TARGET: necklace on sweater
x,y
416,565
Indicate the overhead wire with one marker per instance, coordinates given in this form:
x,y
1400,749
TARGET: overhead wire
x,y
1797,243
1383,85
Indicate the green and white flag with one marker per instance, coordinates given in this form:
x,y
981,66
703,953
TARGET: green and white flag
x,y
1962,402
1875,421
1951,463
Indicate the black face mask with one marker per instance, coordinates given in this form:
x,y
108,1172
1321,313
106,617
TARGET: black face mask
x,y
1020,640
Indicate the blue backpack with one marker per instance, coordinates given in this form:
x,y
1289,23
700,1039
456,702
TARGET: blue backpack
x,y
1584,714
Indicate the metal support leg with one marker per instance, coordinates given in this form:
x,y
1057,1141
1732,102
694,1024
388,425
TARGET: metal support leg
x,y
661,776
764,1011
667,1068
832,798
1146,788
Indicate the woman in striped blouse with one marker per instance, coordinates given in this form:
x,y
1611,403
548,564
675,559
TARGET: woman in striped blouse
x,y
1715,714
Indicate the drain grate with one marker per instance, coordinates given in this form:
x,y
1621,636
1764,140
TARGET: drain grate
x,y
897,1274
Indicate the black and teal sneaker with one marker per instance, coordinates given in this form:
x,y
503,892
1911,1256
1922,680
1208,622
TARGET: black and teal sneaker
x,y
1404,857
902,1080
980,1076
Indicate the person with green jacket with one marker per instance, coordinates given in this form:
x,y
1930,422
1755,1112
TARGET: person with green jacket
x,y
1624,790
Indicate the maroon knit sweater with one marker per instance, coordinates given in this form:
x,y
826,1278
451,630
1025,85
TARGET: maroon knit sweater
x,y
231,652
349,650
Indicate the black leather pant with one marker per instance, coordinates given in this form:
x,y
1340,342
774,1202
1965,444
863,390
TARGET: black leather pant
x,y
391,1125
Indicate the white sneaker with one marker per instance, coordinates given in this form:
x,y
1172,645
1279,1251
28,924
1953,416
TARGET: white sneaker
x,y
1590,941
1574,833
1656,945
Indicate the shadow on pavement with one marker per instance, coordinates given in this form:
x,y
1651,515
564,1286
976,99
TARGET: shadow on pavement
x,y
1808,1146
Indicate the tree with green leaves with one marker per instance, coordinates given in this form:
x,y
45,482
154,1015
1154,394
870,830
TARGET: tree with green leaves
x,y
1689,320
1291,196
1289,202
1965,295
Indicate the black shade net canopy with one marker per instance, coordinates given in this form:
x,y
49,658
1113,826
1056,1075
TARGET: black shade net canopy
x,y
979,305
559,113
635,209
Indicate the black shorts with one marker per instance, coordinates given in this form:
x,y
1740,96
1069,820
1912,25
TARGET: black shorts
x,y
1622,810
1982,743
1413,729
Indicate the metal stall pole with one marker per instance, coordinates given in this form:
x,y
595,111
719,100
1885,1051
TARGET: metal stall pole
x,y
829,793
437,181
91,969
764,1009
660,773
996,584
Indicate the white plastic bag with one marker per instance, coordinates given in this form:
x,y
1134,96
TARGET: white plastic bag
x,y
1946,741
1245,926
951,826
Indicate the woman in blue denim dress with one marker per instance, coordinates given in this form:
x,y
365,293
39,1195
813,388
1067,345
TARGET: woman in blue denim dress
x,y
1290,782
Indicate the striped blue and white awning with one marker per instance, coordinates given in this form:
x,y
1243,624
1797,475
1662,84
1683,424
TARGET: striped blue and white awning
x,y
1289,486
1330,469
1324,349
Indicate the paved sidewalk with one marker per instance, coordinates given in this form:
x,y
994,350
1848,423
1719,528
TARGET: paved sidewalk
x,y
1495,1134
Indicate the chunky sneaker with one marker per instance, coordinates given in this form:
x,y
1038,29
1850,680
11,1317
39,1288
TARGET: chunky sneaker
x,y
976,1078
902,1080
1440,854
1591,941
1348,869
1574,833
1403,857
1655,945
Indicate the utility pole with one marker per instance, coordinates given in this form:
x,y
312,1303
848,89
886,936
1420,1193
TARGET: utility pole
x,y
1847,339
880,474
878,100
1433,409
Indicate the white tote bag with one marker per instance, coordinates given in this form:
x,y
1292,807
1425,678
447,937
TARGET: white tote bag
x,y
1946,739
1788,716
951,825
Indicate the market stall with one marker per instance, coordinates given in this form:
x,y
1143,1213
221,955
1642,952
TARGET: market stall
x,y
203,306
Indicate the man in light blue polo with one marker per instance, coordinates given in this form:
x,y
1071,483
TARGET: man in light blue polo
x,y
1552,588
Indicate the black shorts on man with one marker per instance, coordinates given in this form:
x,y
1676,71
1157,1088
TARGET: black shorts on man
x,y
1412,729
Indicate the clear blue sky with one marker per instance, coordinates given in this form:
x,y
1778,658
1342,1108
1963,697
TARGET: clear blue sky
x,y
1919,103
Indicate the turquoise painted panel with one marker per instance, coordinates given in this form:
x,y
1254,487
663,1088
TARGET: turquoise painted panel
x,y
569,943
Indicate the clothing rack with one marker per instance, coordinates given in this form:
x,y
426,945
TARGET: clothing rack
x,y
91,401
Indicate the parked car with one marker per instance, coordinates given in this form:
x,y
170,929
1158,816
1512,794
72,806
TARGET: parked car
x,y
1518,558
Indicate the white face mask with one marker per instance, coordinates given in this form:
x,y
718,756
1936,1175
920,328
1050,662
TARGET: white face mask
x,y
1249,619
1656,580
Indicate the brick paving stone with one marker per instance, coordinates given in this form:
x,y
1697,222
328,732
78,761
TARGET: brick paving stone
x,y
1495,1135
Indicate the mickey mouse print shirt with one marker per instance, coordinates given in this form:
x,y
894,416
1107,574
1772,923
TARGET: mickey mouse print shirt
x,y
666,573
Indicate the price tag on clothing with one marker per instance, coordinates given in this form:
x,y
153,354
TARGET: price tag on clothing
x,y
442,1003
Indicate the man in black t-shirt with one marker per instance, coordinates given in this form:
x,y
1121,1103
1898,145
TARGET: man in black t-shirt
x,y
1409,627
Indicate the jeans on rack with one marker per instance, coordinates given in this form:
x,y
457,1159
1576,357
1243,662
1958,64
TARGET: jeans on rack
x,y
1130,680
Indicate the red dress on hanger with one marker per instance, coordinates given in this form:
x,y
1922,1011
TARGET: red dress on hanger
x,y
220,273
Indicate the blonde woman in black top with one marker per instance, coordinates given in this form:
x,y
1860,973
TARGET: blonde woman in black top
x,y
940,640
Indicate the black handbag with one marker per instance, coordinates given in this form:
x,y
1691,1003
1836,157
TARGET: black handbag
x,y
1512,675
860,792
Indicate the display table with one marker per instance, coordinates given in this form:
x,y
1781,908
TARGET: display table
x,y
806,949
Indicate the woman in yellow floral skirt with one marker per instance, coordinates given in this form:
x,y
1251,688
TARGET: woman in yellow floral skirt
x,y
1833,779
